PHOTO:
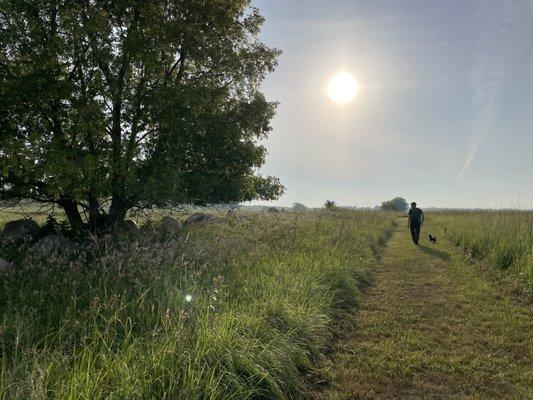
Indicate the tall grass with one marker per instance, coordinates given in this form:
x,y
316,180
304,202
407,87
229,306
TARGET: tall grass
x,y
230,310
502,238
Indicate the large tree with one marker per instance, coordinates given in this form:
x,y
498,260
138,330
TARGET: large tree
x,y
107,105
396,204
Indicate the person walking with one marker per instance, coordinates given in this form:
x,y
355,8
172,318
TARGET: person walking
x,y
415,221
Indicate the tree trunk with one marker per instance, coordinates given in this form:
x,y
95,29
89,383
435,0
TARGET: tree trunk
x,y
118,210
73,214
96,217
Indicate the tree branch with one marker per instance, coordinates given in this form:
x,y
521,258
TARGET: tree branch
x,y
181,69
148,133
6,68
136,118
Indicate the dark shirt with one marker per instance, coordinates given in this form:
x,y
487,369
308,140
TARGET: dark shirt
x,y
416,215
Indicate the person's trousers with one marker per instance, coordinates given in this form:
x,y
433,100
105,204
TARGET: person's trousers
x,y
415,232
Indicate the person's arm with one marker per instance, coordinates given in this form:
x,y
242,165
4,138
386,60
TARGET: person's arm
x,y
409,220
421,217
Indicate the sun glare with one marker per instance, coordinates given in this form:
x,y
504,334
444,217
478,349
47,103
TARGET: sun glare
x,y
342,88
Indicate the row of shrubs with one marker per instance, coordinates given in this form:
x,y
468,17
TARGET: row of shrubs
x,y
233,309
502,238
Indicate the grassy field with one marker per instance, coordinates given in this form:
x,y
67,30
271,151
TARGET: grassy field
x,y
502,238
229,310
433,327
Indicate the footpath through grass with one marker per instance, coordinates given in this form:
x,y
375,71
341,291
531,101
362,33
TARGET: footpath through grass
x,y
433,327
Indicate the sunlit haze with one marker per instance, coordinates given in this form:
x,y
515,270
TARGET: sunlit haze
x,y
342,88
443,114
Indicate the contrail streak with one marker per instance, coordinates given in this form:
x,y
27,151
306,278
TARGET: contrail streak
x,y
500,36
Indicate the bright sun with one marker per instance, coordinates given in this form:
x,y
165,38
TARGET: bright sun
x,y
342,88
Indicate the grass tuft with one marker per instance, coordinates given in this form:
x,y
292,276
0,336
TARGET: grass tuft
x,y
502,238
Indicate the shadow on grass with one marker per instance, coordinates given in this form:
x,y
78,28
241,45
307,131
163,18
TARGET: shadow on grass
x,y
435,253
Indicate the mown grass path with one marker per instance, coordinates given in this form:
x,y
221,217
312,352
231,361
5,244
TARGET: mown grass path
x,y
433,327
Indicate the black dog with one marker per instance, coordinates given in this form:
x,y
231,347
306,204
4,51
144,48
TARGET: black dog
x,y
433,239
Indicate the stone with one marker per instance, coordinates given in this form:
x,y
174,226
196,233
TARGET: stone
x,y
170,226
243,217
148,228
129,227
238,216
5,266
20,229
53,244
198,218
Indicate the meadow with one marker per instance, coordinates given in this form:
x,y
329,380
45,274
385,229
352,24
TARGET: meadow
x,y
503,239
229,309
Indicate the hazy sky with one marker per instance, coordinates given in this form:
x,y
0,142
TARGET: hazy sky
x,y
444,114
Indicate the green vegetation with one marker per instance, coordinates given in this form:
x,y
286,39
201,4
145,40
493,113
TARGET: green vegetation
x,y
232,309
433,327
502,238
108,106
330,204
398,204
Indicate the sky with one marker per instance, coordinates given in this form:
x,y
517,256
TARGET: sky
x,y
444,112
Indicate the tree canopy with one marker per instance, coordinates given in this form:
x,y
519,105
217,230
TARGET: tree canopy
x,y
396,204
110,105
298,207
330,204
